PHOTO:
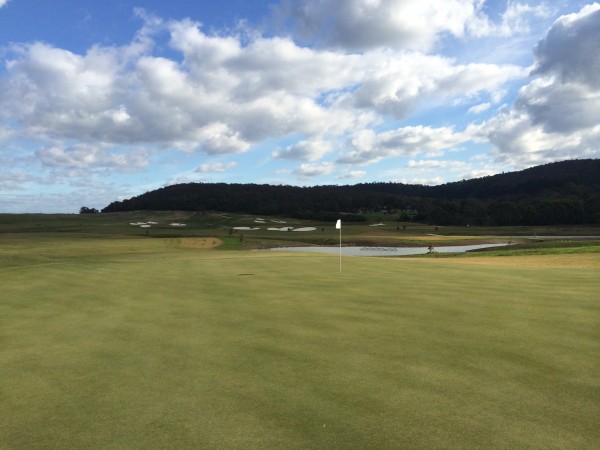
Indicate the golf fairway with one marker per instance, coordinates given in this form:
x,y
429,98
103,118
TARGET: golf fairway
x,y
139,343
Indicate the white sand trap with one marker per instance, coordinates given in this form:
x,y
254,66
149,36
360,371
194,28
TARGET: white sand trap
x,y
145,226
152,223
280,229
305,229
137,224
278,221
175,224
246,228
377,225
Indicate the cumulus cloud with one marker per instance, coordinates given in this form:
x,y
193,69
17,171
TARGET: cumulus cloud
x,y
556,115
351,174
570,49
432,181
216,167
479,108
13,180
309,170
364,24
427,171
370,147
397,82
82,156
359,25
3,2
436,164
368,65
515,19
305,151
221,97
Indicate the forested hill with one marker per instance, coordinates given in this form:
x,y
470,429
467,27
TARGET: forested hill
x,y
565,192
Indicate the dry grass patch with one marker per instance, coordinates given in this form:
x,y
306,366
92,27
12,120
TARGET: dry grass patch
x,y
569,261
199,243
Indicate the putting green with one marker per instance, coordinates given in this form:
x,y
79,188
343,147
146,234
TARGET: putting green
x,y
138,343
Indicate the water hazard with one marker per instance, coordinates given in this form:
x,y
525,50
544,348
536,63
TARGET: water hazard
x,y
387,251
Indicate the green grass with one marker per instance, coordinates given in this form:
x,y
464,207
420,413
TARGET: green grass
x,y
137,343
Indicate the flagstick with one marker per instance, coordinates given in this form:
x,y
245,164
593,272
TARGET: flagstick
x,y
340,248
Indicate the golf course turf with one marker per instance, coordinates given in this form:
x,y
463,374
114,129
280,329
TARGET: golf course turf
x,y
136,342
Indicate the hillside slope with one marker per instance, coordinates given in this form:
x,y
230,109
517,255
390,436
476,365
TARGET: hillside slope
x,y
566,192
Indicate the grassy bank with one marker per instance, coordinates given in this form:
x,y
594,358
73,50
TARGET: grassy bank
x,y
157,343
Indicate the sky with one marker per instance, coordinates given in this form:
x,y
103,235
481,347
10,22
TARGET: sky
x,y
102,101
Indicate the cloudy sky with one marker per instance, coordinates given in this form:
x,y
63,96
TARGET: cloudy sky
x,y
100,101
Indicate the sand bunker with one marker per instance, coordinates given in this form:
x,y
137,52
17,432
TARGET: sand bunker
x,y
175,224
246,228
292,229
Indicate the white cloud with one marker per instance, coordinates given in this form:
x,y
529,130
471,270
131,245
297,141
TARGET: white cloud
x,y
363,24
559,107
222,97
570,48
436,164
5,134
13,180
83,156
308,170
433,181
370,147
216,167
477,173
305,151
396,82
515,19
3,3
218,138
477,109
368,65
360,25
433,171
556,115
352,174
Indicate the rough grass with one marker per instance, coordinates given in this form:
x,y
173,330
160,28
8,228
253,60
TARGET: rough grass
x,y
137,343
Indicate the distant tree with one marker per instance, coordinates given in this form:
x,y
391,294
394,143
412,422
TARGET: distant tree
x,y
86,210
566,192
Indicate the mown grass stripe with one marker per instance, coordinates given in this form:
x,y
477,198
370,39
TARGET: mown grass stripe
x,y
157,347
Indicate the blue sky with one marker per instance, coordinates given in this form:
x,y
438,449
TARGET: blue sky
x,y
100,101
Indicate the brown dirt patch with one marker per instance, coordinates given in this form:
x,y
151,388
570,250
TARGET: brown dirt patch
x,y
199,243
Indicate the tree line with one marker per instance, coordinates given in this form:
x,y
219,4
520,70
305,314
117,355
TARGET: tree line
x,y
566,192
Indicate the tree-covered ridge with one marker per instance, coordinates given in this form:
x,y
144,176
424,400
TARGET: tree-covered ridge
x,y
565,192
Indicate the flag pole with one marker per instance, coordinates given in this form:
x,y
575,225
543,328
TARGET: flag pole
x,y
340,249
338,225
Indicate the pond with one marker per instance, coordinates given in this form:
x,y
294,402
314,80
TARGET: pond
x,y
386,251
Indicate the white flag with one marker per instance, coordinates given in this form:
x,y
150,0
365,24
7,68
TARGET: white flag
x,y
338,224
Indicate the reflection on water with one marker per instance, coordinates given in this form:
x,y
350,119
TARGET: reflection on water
x,y
386,251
